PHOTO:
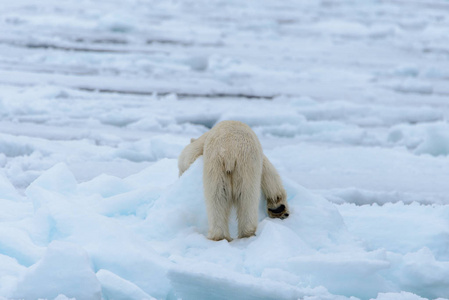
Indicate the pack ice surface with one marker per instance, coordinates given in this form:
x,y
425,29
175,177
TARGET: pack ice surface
x,y
350,100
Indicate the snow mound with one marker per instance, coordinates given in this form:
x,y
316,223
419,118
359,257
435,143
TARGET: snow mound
x,y
431,138
117,288
144,237
7,190
398,296
64,269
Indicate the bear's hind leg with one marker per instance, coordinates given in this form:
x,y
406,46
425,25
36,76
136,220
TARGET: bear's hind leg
x,y
218,205
247,215
246,199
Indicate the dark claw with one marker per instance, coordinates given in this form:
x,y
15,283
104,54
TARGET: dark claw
x,y
278,210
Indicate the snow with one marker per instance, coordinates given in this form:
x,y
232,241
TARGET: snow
x,y
430,138
349,101
64,268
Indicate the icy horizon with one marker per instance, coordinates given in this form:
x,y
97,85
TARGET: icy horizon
x,y
348,98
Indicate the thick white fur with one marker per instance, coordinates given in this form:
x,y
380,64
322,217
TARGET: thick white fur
x,y
274,191
235,171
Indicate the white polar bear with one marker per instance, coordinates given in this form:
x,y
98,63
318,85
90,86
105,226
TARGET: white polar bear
x,y
235,172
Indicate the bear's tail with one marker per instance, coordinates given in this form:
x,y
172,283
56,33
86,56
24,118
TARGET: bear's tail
x,y
229,165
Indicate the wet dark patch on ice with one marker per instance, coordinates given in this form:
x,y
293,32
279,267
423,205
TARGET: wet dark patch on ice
x,y
182,43
84,48
71,48
102,41
179,95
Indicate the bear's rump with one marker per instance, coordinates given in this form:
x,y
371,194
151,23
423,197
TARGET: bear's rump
x,y
233,151
233,163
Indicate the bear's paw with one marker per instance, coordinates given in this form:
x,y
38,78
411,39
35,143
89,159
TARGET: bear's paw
x,y
277,208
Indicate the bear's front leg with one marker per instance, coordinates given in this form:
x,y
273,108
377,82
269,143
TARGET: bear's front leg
x,y
190,153
272,188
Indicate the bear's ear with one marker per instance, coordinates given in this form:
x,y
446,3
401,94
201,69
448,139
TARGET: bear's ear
x,y
192,140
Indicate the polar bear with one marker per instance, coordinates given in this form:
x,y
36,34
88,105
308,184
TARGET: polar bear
x,y
235,172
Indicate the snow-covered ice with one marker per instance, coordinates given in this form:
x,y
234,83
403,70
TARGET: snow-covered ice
x,y
349,100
